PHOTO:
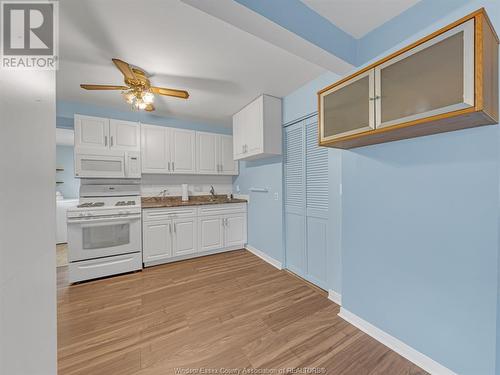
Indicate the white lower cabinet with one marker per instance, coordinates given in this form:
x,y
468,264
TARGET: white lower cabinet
x,y
157,240
235,229
184,239
171,234
211,233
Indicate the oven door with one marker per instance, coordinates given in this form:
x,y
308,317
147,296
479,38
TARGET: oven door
x,y
91,238
99,166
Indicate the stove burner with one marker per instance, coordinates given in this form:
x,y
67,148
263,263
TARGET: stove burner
x,y
123,203
91,204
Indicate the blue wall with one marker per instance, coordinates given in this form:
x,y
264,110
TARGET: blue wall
x,y
419,222
420,238
265,213
64,158
66,111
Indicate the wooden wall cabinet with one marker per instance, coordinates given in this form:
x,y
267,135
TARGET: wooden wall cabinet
x,y
443,82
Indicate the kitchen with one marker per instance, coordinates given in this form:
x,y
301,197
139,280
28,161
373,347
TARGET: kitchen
x,y
251,186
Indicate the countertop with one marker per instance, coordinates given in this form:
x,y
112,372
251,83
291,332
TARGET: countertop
x,y
197,200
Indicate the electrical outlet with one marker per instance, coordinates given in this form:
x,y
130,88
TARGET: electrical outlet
x,y
276,196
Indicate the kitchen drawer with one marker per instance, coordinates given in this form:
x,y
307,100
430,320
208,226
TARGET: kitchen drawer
x,y
149,214
222,209
95,268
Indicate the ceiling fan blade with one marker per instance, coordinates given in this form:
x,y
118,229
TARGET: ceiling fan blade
x,y
102,87
125,69
149,108
170,92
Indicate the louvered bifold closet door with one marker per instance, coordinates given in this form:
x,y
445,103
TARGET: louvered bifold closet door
x,y
295,198
316,205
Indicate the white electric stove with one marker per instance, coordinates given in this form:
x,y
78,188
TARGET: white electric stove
x,y
104,232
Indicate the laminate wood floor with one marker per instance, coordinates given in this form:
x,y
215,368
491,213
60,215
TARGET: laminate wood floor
x,y
212,315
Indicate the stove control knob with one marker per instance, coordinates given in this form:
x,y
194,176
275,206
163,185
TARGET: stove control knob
x,y
88,214
81,214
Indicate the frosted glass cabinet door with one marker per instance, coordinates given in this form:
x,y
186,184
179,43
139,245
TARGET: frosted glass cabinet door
x,y
433,78
348,108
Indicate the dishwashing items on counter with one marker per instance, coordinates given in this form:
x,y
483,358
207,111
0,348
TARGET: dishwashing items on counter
x,y
185,194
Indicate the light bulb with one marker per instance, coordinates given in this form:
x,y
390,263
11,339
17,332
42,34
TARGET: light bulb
x,y
148,97
129,97
140,104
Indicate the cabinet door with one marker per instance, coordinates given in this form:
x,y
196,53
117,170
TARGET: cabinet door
x,y
206,155
184,240
210,232
433,78
226,160
254,126
124,135
348,108
235,230
155,150
157,240
183,151
238,144
91,132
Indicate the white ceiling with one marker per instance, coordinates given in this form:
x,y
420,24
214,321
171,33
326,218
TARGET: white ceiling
x,y
221,66
359,17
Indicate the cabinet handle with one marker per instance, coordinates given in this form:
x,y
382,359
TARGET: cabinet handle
x,y
168,165
106,140
111,141
173,166
175,228
170,228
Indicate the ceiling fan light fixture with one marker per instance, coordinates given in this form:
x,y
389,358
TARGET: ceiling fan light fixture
x,y
139,104
129,97
138,91
148,97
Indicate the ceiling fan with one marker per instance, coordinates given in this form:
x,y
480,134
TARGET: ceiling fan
x,y
138,90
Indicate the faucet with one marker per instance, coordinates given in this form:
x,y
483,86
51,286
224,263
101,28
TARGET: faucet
x,y
163,193
212,192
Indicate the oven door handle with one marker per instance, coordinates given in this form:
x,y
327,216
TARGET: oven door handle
x,y
123,218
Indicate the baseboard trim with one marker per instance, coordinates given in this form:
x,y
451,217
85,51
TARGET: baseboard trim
x,y
335,297
273,262
393,343
191,256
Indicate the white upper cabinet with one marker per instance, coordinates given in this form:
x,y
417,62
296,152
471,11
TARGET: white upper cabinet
x,y
124,135
183,151
257,129
155,149
91,132
207,161
227,163
214,154
96,134
168,150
